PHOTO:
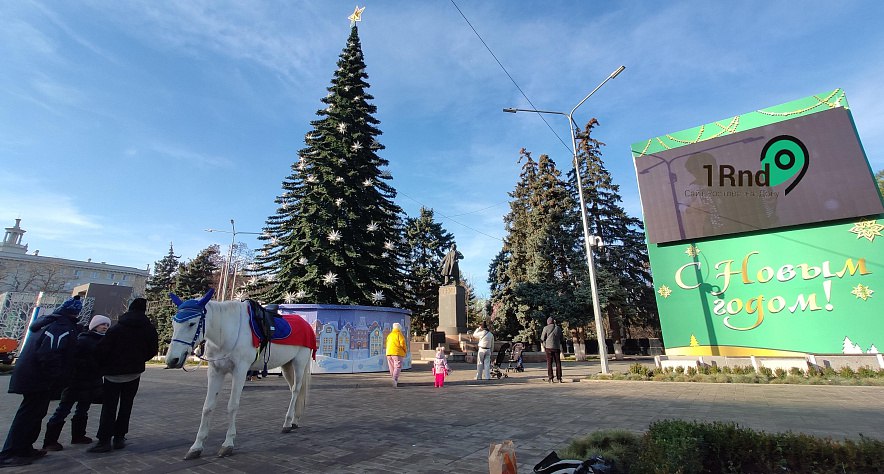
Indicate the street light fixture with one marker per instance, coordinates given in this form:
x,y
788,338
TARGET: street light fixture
x,y
226,268
589,240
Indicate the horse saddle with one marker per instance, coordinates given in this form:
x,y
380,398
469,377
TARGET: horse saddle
x,y
266,323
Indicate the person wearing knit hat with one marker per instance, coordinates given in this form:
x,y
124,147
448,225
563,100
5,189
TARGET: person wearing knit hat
x,y
43,369
552,340
99,320
84,389
122,354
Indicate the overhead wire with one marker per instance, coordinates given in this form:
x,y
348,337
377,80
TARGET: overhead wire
x,y
551,129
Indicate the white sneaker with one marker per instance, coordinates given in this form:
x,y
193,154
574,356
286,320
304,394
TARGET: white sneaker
x,y
395,384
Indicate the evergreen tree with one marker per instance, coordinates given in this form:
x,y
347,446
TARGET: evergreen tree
x,y
160,307
336,236
879,177
534,278
198,275
622,267
427,243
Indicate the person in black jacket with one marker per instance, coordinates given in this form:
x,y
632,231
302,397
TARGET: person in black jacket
x,y
121,354
41,372
84,386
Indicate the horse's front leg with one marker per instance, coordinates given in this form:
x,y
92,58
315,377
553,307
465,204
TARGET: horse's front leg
x,y
236,385
216,378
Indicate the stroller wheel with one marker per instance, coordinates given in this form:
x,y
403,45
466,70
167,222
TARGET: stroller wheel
x,y
506,376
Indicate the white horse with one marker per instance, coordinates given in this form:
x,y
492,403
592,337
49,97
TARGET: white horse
x,y
224,326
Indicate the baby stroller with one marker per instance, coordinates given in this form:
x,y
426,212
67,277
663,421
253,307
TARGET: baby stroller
x,y
515,358
499,360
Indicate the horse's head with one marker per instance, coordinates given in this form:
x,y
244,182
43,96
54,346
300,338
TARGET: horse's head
x,y
188,328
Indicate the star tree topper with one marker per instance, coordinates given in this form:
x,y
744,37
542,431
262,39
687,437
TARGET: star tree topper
x,y
356,16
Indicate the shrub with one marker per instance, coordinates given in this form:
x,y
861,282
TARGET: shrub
x,y
686,446
829,372
726,370
620,447
766,372
780,373
847,372
866,372
679,370
796,371
691,371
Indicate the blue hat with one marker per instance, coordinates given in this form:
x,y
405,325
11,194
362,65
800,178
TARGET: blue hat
x,y
71,306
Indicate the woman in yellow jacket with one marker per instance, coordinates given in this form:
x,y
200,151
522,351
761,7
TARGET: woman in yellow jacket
x,y
396,350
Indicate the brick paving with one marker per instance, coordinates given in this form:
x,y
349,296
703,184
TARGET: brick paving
x,y
358,423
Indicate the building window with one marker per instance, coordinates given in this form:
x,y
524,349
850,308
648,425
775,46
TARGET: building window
x,y
76,273
125,277
94,274
110,276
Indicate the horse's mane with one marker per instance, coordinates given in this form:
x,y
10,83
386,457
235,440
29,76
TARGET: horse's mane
x,y
225,309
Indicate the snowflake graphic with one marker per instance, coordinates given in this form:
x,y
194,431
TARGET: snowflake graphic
x,y
357,98
407,286
312,179
862,292
330,108
347,88
389,245
419,302
300,294
375,145
302,164
868,229
385,255
339,179
692,251
368,182
342,127
289,297
334,236
373,226
329,279
356,146
240,295
303,261
253,281
339,201
310,136
377,296
664,291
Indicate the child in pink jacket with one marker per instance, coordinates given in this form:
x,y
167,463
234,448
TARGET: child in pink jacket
x,y
440,367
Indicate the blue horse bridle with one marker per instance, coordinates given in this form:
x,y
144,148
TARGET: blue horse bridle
x,y
186,314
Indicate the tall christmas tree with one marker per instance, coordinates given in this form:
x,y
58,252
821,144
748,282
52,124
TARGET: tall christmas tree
x,y
336,236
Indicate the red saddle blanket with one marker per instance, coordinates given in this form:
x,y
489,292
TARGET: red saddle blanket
x,y
301,333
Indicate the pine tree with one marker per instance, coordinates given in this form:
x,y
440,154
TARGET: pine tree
x,y
623,274
198,275
534,274
336,236
427,243
160,307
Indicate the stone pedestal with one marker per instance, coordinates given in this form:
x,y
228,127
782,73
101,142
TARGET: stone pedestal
x,y
452,310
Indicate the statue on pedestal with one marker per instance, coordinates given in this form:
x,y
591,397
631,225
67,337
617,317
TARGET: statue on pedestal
x,y
450,269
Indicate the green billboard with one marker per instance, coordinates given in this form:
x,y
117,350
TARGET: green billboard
x,y
766,233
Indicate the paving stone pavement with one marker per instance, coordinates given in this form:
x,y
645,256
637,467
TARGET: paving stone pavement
x,y
359,423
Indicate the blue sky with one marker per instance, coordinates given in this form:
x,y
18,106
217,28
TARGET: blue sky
x,y
127,125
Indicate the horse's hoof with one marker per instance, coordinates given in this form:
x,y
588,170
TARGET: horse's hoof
x,y
288,429
225,451
193,455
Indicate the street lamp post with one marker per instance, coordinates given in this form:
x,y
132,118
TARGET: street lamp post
x,y
226,267
589,240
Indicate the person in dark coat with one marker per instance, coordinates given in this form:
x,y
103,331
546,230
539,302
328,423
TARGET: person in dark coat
x,y
84,386
41,372
553,341
122,354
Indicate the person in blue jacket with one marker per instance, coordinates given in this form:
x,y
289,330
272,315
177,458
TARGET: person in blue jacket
x,y
41,372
